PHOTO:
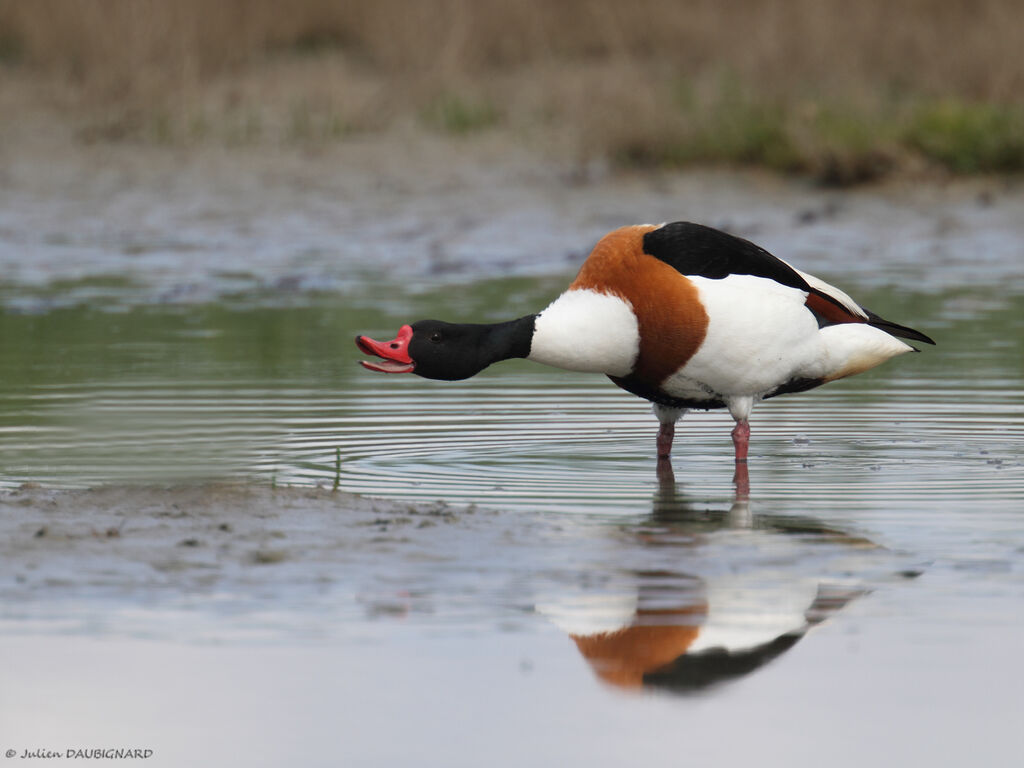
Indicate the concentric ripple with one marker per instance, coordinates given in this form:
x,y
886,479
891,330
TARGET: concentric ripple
x,y
543,440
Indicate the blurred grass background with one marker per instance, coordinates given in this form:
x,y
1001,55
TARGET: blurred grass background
x,y
844,92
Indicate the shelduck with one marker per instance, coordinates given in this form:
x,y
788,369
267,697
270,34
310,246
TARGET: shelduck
x,y
683,315
681,633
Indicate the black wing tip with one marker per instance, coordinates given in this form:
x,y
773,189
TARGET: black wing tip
x,y
902,332
905,333
895,329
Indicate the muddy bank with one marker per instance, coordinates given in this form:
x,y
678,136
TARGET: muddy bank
x,y
237,561
130,539
233,561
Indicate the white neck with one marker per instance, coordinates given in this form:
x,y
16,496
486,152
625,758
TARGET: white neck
x,y
587,331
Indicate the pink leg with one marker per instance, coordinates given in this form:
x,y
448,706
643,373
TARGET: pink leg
x,y
665,435
666,475
741,439
741,479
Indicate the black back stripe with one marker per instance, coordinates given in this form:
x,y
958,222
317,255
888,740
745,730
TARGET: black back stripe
x,y
696,250
699,251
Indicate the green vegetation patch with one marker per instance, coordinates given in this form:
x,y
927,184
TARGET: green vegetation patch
x,y
836,143
969,138
459,115
11,49
733,126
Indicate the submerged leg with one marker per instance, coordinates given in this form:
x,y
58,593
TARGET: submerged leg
x,y
741,439
665,434
666,475
668,417
741,480
740,408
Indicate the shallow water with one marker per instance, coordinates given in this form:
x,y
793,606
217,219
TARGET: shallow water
x,y
870,588
275,394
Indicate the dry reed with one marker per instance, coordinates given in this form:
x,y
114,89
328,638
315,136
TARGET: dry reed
x,y
801,84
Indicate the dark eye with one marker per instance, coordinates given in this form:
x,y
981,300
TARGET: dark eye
x,y
435,337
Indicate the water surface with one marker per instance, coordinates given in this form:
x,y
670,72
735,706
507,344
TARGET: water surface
x,y
528,591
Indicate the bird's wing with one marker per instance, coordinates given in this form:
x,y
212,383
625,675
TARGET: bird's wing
x,y
696,250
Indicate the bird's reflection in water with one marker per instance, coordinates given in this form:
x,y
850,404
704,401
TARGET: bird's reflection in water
x,y
687,631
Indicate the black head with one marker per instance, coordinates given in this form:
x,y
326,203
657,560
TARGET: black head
x,y
449,351
435,349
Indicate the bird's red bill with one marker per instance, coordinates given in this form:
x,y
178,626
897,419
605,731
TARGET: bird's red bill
x,y
394,354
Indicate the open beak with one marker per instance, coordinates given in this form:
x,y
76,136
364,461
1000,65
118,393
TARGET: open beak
x,y
394,354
